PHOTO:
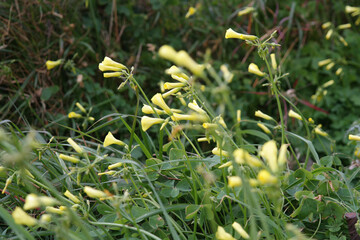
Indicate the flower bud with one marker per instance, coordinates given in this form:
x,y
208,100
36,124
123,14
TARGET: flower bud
x,y
115,165
293,114
329,34
74,115
326,25
273,61
354,137
240,230
221,234
253,68
234,181
245,11
111,63
320,132
190,12
264,128
69,158
219,152
232,34
324,62
21,217
76,147
260,114
110,140
94,193
189,117
52,64
170,85
72,197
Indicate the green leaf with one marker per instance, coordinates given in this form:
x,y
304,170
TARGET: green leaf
x,y
256,133
191,211
46,93
137,212
156,221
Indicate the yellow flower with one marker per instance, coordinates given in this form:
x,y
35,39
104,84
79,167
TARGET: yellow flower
x,y
177,74
52,64
273,61
234,181
110,65
170,85
72,197
264,177
282,155
107,173
184,59
338,71
324,62
227,164
330,66
210,125
328,34
293,114
69,158
311,120
326,25
110,139
168,52
112,74
245,11
238,115
76,147
7,183
269,152
320,132
147,122
171,92
45,218
21,217
240,230
357,152
158,100
221,234
350,9
80,107
94,193
33,201
264,128
344,26
74,115
343,41
260,114
253,68
232,34
219,152
115,165
59,211
194,106
241,156
148,110
189,117
354,137
190,12
228,76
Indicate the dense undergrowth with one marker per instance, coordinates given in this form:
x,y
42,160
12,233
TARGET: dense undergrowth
x,y
245,137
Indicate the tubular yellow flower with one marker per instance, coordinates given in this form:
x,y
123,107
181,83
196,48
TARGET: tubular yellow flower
x,y
76,147
240,230
222,122
69,158
238,115
112,74
227,164
171,92
33,201
221,234
264,177
115,165
293,114
344,26
21,217
74,115
45,218
94,193
181,99
320,132
253,68
51,64
190,12
350,9
354,137
7,183
264,128
273,61
282,155
324,62
232,34
54,210
111,63
343,41
107,173
72,197
205,139
326,25
189,117
228,76
177,74
110,140
178,78
234,181
171,85
148,110
330,66
194,106
168,53
158,100
338,71
260,114
269,152
217,151
147,122
184,59
210,125
80,107
245,11
329,34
